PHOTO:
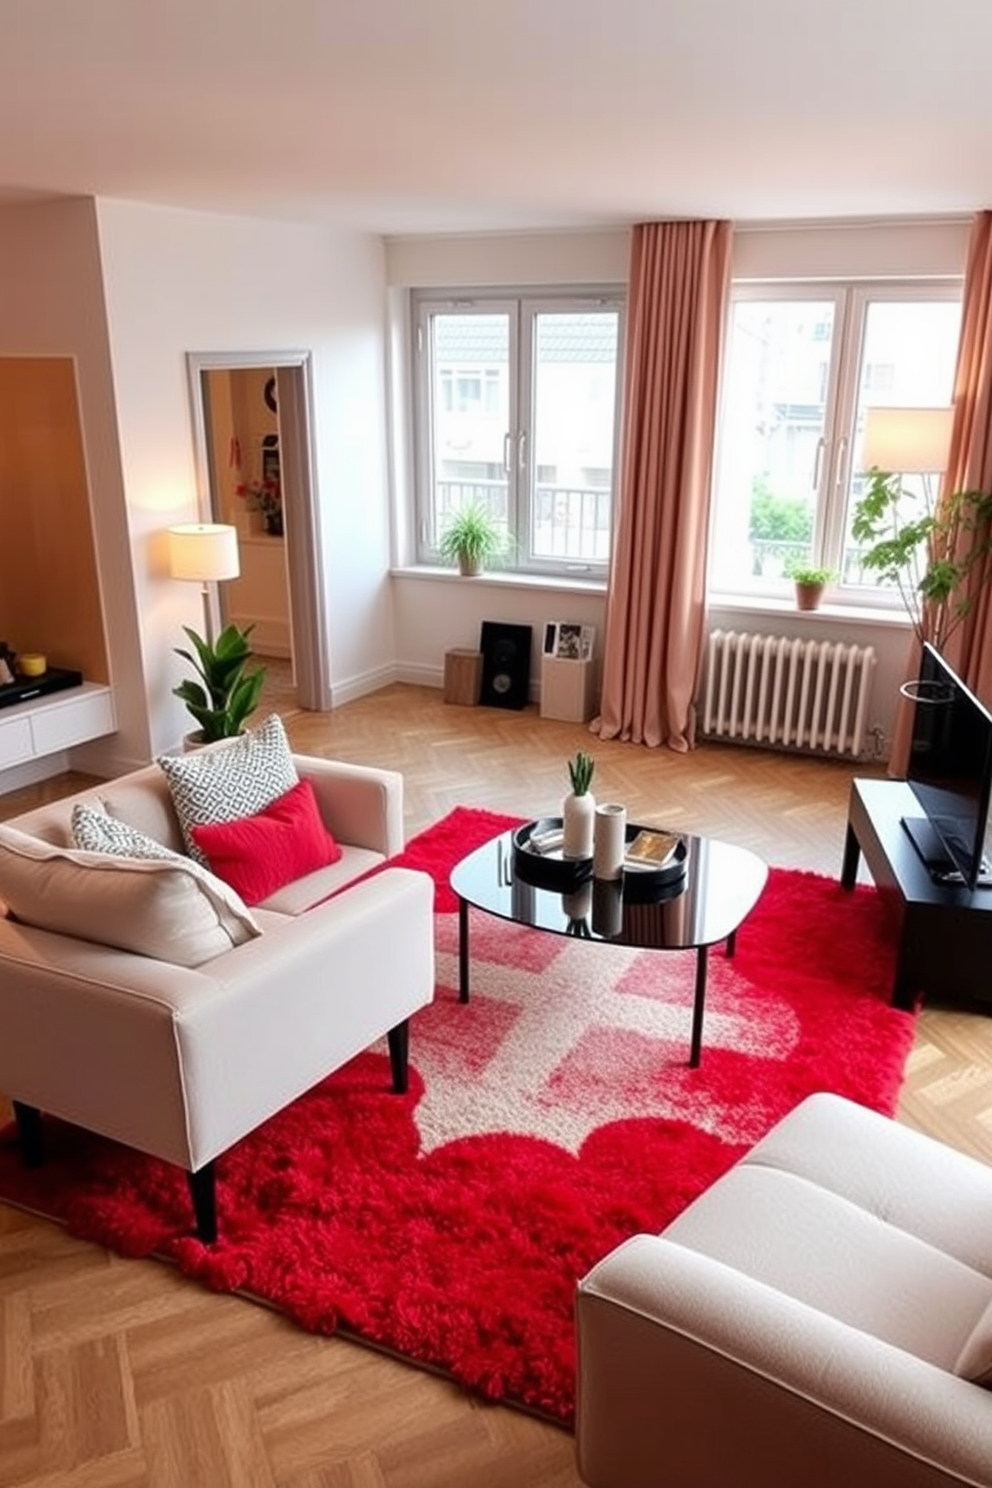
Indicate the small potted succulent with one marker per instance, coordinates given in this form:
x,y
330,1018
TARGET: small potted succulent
x,y
578,810
472,538
810,584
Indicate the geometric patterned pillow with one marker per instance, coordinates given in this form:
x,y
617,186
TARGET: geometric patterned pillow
x,y
224,783
94,831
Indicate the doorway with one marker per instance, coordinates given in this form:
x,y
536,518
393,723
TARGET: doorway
x,y
252,427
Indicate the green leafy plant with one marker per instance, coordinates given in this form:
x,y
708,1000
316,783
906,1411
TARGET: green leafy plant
x,y
936,556
471,539
227,693
803,574
580,773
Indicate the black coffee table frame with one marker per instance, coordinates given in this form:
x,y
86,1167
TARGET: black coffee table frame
x,y
722,884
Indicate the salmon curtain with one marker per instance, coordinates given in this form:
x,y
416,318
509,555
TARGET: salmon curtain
x,y
970,462
679,283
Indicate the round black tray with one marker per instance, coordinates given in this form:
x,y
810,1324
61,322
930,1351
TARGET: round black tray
x,y
552,871
547,870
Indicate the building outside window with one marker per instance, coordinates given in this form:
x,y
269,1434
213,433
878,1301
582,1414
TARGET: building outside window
x,y
516,409
802,365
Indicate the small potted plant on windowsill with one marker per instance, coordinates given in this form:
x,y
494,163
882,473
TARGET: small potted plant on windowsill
x,y
472,539
810,584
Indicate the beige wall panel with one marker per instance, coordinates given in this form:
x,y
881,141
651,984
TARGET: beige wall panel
x,y
49,589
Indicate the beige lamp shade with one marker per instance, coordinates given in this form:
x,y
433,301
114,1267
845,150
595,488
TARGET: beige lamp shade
x,y
907,441
205,551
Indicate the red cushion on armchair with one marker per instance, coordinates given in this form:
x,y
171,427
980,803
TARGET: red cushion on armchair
x,y
257,855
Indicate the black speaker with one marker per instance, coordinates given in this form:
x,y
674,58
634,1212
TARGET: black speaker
x,y
505,665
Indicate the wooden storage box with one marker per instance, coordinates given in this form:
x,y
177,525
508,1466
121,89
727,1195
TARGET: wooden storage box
x,y
462,677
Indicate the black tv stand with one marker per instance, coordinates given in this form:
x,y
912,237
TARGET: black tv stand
x,y
942,931
939,864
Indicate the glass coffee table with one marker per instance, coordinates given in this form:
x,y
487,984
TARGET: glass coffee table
x,y
719,887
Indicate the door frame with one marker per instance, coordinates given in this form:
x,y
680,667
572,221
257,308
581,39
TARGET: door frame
x,y
304,547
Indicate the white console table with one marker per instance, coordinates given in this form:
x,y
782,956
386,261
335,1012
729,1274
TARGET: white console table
x,y
60,720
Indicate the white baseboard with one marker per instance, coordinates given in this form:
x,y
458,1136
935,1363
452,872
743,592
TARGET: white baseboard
x,y
362,684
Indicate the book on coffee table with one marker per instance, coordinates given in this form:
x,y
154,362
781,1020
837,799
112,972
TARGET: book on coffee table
x,y
652,849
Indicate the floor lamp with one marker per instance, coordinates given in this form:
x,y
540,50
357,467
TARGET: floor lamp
x,y
205,552
908,441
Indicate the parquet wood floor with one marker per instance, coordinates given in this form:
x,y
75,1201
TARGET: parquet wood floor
x,y
119,1374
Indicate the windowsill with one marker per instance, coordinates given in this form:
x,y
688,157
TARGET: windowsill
x,y
557,583
835,613
751,604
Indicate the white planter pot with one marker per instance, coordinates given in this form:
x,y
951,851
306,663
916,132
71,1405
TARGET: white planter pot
x,y
578,817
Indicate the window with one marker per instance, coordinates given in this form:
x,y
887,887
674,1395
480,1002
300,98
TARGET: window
x,y
516,404
801,367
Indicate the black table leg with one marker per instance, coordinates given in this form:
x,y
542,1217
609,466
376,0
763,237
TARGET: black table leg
x,y
29,1130
852,852
203,1192
463,950
696,1047
399,1055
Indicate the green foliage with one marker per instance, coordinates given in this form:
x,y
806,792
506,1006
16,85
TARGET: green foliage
x,y
580,772
472,538
803,574
226,694
938,560
779,518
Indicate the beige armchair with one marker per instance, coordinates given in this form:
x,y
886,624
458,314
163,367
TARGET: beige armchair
x,y
182,1060
822,1315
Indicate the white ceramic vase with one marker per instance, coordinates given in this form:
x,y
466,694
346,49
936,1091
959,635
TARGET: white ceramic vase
x,y
578,818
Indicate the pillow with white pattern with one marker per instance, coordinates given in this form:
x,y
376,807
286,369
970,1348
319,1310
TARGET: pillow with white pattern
x,y
231,780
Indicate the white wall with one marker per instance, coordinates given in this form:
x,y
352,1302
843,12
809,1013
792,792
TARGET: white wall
x,y
179,281
436,612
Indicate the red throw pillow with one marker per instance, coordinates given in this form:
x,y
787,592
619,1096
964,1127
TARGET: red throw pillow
x,y
257,855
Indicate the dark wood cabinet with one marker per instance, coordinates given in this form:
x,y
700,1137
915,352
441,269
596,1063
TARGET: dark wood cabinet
x,y
944,933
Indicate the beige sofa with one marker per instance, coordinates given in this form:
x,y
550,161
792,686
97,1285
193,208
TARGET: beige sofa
x,y
181,1061
822,1315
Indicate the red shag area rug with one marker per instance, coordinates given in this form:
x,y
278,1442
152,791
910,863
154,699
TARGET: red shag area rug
x,y
547,1120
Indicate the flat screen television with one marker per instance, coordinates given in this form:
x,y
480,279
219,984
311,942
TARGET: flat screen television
x,y
950,773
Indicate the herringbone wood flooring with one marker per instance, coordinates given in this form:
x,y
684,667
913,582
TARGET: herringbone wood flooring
x,y
120,1374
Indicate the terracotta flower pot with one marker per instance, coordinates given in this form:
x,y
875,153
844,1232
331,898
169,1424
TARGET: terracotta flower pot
x,y
808,596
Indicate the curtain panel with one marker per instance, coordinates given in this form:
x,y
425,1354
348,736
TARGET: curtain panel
x,y
677,296
970,461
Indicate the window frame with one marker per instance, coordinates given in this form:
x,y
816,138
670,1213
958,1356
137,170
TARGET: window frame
x,y
522,305
851,298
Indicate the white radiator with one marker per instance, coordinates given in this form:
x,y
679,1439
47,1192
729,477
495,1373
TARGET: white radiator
x,y
786,694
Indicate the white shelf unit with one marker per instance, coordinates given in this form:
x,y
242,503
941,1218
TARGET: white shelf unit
x,y
60,720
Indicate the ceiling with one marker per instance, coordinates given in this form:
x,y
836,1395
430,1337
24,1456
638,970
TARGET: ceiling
x,y
421,116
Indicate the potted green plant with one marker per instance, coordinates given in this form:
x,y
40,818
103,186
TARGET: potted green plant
x,y
810,583
936,556
472,538
227,693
